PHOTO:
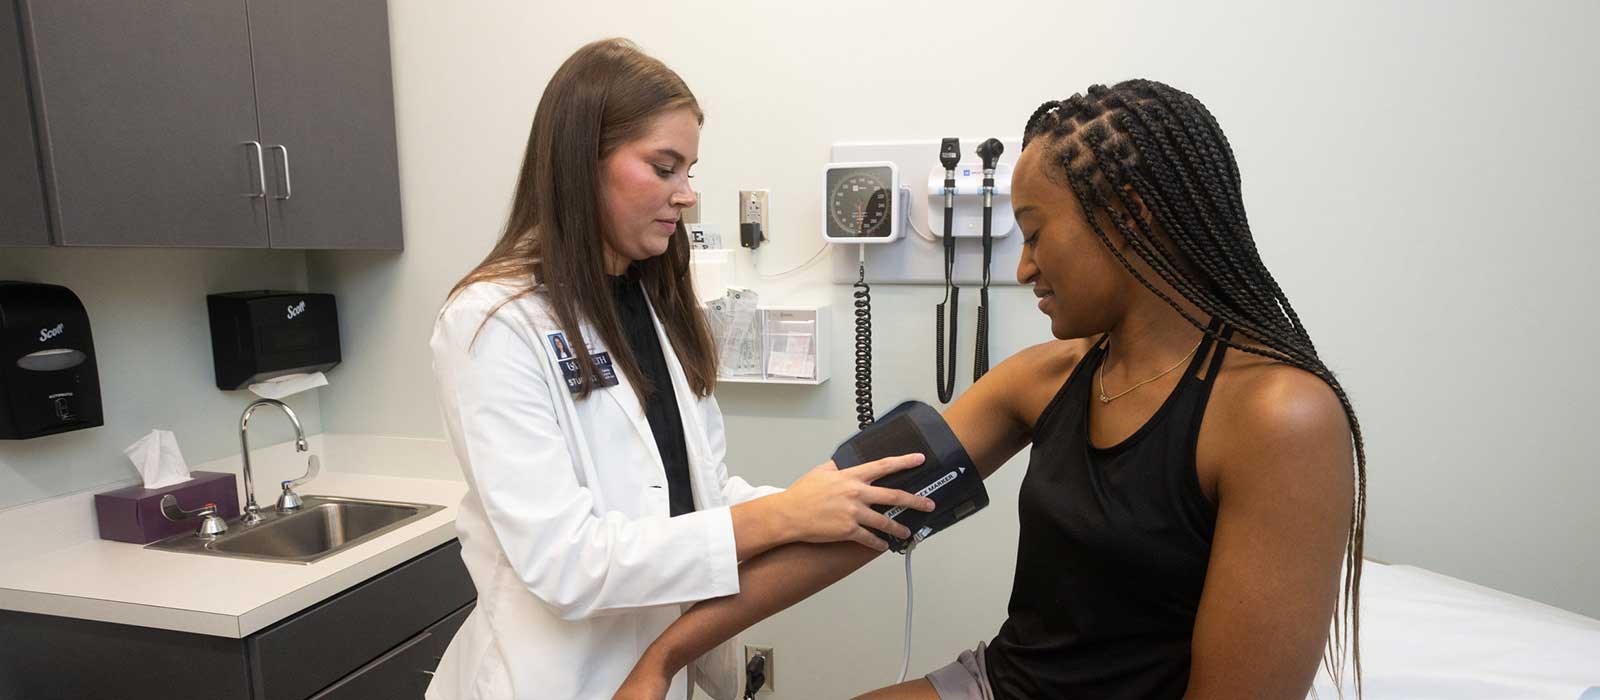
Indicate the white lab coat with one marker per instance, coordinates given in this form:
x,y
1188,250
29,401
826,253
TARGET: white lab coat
x,y
565,526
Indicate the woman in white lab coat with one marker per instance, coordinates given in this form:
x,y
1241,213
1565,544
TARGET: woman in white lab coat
x,y
575,372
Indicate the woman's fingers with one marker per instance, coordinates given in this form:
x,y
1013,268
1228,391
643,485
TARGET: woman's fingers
x,y
838,504
875,470
882,523
879,496
866,539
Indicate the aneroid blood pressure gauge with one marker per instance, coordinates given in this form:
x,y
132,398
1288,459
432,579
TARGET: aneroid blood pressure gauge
x,y
862,202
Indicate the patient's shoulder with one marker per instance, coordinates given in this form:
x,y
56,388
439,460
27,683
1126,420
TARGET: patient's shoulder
x,y
1048,359
1027,381
1279,426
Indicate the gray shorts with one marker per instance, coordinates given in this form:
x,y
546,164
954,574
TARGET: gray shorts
x,y
966,678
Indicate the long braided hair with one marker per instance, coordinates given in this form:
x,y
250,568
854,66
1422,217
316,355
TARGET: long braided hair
x,y
1146,139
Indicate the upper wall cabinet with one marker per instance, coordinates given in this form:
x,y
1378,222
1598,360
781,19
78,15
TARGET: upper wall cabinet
x,y
22,220
259,123
326,104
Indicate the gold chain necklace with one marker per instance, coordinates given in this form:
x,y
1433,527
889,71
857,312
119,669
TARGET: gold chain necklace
x,y
1100,373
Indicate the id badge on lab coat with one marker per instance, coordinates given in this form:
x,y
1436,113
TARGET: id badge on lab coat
x,y
605,372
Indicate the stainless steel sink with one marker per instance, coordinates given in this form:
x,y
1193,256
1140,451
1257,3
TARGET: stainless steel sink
x,y
322,527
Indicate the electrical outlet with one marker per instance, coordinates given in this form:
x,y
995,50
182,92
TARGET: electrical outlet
x,y
750,652
753,207
753,217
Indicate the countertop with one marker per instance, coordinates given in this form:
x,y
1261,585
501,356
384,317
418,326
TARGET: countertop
x,y
222,596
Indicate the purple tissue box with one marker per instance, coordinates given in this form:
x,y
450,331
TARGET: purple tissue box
x,y
133,514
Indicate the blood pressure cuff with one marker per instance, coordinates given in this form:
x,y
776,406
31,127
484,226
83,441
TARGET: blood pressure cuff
x,y
947,475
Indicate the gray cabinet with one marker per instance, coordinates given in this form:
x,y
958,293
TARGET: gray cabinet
x,y
380,639
404,672
326,102
22,217
300,656
207,123
146,110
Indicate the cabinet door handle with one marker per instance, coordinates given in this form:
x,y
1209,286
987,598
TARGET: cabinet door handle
x,y
261,170
288,187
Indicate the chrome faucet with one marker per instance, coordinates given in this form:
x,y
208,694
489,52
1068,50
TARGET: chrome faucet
x,y
211,524
252,512
290,501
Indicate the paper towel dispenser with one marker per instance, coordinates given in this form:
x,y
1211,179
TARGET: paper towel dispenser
x,y
49,382
258,335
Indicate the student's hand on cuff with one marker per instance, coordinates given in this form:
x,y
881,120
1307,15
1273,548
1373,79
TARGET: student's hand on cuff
x,y
829,504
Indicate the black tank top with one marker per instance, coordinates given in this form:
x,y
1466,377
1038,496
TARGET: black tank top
x,y
1113,551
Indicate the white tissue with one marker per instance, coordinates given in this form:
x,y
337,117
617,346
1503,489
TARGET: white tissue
x,y
288,385
158,459
709,269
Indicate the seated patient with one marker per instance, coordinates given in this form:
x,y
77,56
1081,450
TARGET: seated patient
x,y
1196,476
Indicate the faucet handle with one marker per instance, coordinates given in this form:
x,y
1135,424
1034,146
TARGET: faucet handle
x,y
211,524
290,500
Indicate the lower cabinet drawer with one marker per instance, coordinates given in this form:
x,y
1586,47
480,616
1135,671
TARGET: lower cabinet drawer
x,y
403,673
299,657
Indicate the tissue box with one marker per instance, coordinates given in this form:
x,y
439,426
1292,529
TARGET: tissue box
x,y
133,514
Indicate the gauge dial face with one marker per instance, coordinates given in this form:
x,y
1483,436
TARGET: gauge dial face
x,y
858,202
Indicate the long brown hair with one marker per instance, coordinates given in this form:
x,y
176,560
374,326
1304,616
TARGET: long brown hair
x,y
603,96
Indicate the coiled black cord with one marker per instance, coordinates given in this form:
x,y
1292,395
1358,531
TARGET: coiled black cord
x,y
980,363
946,377
863,304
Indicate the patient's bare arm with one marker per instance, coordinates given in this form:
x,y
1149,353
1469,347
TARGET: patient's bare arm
x,y
769,583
